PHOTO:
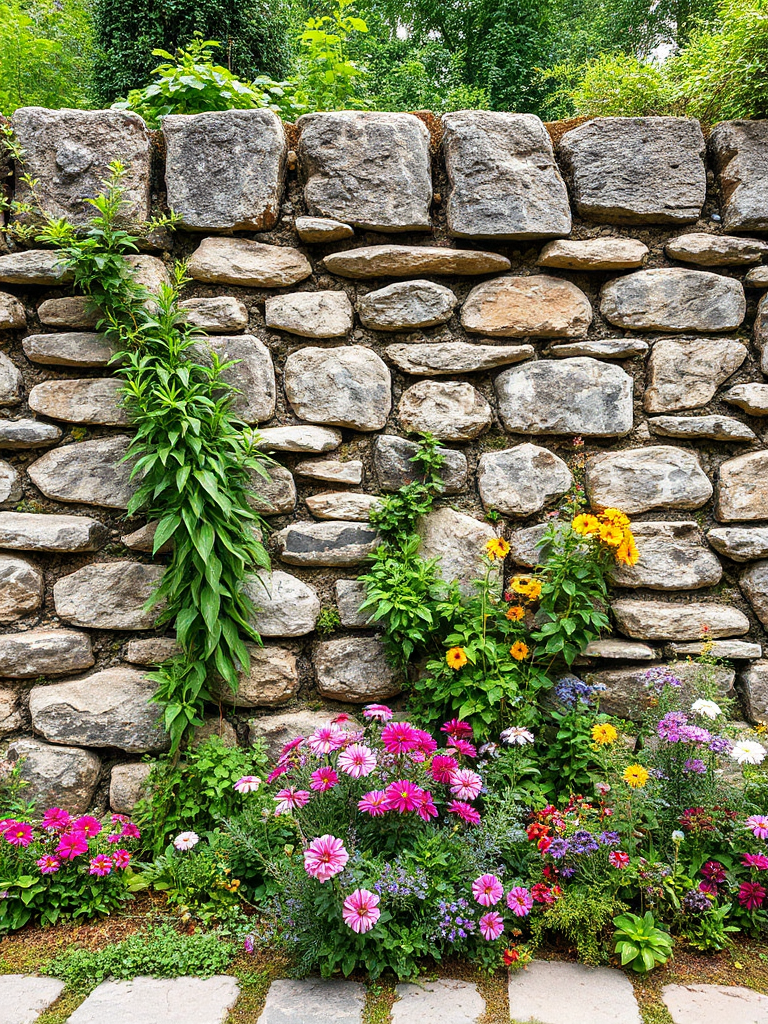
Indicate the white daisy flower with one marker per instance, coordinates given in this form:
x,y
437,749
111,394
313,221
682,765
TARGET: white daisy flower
x,y
186,840
708,708
248,784
748,752
516,736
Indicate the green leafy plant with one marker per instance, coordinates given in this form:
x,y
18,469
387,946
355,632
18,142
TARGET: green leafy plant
x,y
328,621
327,78
640,943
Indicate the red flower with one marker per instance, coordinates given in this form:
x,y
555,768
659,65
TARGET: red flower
x,y
536,831
511,956
544,844
618,859
714,872
542,893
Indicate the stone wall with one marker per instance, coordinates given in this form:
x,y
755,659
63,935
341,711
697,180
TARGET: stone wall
x,y
576,313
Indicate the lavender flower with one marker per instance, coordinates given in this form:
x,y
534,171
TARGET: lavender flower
x,y
609,839
658,677
571,691
583,843
695,766
558,848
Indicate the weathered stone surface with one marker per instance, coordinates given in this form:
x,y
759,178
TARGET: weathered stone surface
x,y
674,620
733,650
286,605
216,314
10,485
70,311
71,348
599,253
69,152
716,428
253,373
754,688
272,679
458,540
302,438
684,373
354,669
601,348
56,776
149,272
406,305
314,1001
365,168
672,556
761,333
740,149
330,471
715,250
90,472
143,540
626,694
11,381
707,1004
343,387
450,411
12,313
407,261
567,396
754,584
394,469
322,229
425,360
127,785
11,719
639,479
525,545
757,277
674,299
342,505
740,543
619,650
21,434
178,1000
111,708
538,306
636,170
742,491
241,261
21,588
24,997
275,730
96,401
331,543
34,266
554,992
152,651
274,494
224,169
350,594
44,652
504,182
214,727
752,398
310,314
108,595
521,480
444,999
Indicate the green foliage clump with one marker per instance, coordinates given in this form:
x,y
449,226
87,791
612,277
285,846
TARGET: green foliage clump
x,y
640,943
327,77
328,621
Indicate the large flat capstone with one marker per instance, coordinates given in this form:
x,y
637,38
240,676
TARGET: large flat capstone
x,y
715,1004
23,997
555,992
314,1001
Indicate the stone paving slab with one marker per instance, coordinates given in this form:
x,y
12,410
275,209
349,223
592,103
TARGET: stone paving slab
x,y
446,1001
715,1004
313,1001
551,992
160,1001
24,997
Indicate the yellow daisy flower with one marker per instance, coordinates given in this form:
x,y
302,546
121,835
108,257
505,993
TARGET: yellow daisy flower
x,y
585,524
611,535
534,590
604,734
615,517
456,657
627,552
519,650
497,547
515,612
635,776
520,584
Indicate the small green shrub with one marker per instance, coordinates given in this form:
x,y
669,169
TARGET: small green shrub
x,y
328,621
640,942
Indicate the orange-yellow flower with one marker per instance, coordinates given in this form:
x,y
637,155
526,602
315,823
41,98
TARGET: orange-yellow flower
x,y
519,650
604,734
456,657
520,584
585,524
497,547
615,517
534,590
627,551
515,612
611,535
635,776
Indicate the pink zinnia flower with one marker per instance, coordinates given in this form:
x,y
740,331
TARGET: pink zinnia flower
x,y
618,859
487,890
88,825
48,864
758,825
361,910
130,831
491,926
325,857
291,799
465,811
326,739
71,845
425,744
519,901
248,784
399,737
121,858
119,817
758,861
403,796
751,895
374,803
442,768
426,808
466,784
462,747
457,729
324,778
19,834
357,760
55,819
114,837
281,769
101,865
378,712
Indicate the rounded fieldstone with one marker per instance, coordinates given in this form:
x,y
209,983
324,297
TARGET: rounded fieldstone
x,y
599,253
310,314
742,490
342,505
521,480
740,543
29,531
684,373
411,261
538,306
34,266
253,373
18,435
276,730
640,479
322,229
97,401
109,595
56,776
303,438
458,541
21,588
740,151
673,299
392,459
128,785
70,311
754,585
11,381
441,359
715,250
343,387
272,678
754,686
326,544
72,348
406,305
452,412
752,398
240,261
11,719
152,651
12,313
286,605
626,693
672,556
44,652
354,669
217,314
89,473
330,471
716,428
273,494
601,348
10,485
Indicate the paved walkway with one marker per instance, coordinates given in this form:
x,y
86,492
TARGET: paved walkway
x,y
546,993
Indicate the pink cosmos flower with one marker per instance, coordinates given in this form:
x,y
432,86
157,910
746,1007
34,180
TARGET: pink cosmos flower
x,y
291,799
442,768
378,712
758,861
341,719
361,910
425,744
325,857
326,739
101,865
457,729
403,796
19,834
758,825
466,784
491,926
399,737
121,858
519,901
426,808
88,825
290,746
487,890
71,845
357,760
281,769
751,895
375,803
465,811
323,779
130,831
462,747
248,784
5,823
618,859
55,819
48,864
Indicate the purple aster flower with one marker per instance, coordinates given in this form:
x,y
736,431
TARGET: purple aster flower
x,y
658,677
695,734
583,842
695,766
567,872
670,725
558,848
719,744
609,839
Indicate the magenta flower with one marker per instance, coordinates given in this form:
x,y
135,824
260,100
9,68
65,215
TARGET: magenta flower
x,y
378,712
491,926
325,857
466,784
399,737
758,861
618,859
281,769
487,890
327,739
425,744
71,845
248,784
114,837
426,808
519,901
48,864
758,825
457,729
130,831
751,895
119,817
442,768
462,747
19,834
357,760
291,799
88,825
324,778
361,910
55,819
101,865
376,803
465,811
714,871
290,746
121,858
403,796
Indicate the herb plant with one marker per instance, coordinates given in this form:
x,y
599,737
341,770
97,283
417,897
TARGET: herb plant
x,y
640,943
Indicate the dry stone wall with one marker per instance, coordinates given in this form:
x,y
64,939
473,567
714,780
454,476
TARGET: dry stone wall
x,y
589,313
